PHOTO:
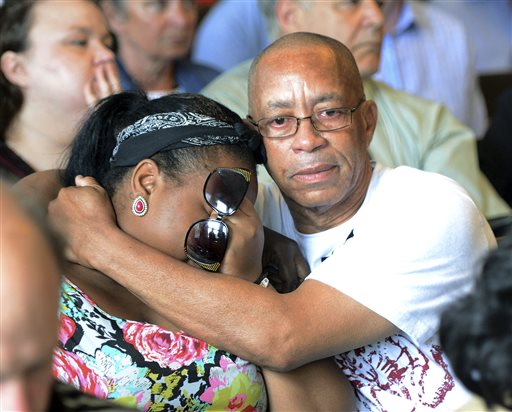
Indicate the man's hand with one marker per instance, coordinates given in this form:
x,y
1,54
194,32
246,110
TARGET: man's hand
x,y
283,261
81,214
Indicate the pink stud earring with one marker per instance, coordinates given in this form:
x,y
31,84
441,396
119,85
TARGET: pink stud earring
x,y
139,206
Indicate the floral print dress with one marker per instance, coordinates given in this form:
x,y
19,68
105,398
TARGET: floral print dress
x,y
145,366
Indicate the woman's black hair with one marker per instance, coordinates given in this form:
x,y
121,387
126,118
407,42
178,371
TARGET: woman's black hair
x,y
92,148
15,24
476,332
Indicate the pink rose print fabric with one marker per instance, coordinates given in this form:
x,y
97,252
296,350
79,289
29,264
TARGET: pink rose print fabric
x,y
168,349
147,367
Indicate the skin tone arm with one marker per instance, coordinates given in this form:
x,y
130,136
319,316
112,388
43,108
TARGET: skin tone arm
x,y
276,331
280,332
318,386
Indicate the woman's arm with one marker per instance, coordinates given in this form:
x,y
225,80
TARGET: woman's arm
x,y
317,386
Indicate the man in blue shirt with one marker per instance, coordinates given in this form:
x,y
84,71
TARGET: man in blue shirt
x,y
153,41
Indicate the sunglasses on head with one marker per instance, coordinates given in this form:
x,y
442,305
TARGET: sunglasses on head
x,y
207,240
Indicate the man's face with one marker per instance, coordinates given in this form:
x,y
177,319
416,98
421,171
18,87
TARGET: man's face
x,y
314,169
160,29
358,24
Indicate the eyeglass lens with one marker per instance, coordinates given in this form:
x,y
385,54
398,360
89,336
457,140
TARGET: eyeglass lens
x,y
224,190
207,239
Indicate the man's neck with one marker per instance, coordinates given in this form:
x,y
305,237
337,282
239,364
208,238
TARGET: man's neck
x,y
149,73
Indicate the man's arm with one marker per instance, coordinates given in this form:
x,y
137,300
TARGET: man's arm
x,y
275,331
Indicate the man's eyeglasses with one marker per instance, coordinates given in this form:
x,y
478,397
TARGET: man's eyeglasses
x,y
207,240
327,120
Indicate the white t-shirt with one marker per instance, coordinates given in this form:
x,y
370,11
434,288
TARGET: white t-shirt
x,y
411,249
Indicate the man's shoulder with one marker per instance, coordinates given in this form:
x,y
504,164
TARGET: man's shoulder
x,y
411,118
406,204
230,88
235,77
192,76
410,182
395,99
419,197
127,82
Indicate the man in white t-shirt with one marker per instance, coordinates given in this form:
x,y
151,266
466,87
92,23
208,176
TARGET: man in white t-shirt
x,y
389,248
398,257
392,240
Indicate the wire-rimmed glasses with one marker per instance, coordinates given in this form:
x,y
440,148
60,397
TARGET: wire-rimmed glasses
x,y
326,120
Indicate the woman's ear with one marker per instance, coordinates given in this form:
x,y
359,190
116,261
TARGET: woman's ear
x,y
146,178
13,67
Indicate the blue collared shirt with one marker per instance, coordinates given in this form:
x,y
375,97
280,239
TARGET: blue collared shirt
x,y
489,25
231,32
429,54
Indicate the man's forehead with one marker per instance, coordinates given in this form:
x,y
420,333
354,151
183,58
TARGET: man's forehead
x,y
299,66
284,87
295,51
284,102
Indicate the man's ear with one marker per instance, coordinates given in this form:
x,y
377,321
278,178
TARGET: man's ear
x,y
14,68
146,178
370,116
288,16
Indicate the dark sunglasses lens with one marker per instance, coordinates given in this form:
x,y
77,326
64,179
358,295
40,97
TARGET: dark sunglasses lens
x,y
224,191
207,241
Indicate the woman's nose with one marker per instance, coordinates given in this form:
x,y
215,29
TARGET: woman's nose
x,y
103,54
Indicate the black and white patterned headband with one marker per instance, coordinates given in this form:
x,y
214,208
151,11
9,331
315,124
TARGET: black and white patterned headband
x,y
176,130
